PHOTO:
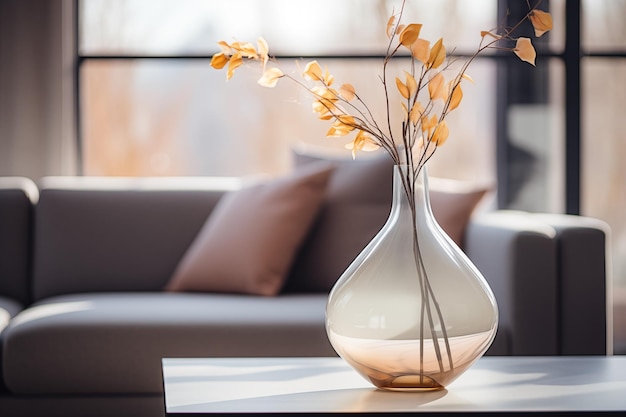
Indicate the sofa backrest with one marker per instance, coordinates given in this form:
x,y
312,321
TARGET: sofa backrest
x,y
116,234
17,197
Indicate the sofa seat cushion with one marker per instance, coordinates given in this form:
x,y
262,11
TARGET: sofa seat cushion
x,y
114,343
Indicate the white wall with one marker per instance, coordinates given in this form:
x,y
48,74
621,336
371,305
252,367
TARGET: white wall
x,y
36,118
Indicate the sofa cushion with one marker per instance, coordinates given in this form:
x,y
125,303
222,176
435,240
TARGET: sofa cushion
x,y
117,234
248,243
357,204
113,343
453,202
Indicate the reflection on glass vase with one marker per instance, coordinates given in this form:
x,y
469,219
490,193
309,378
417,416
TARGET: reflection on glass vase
x,y
411,312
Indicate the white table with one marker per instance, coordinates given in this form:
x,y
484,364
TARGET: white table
x,y
327,386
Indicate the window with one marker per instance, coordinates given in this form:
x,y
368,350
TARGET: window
x,y
603,172
151,105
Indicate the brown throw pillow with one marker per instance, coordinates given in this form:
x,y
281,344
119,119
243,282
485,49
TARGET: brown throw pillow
x,y
453,203
357,204
248,242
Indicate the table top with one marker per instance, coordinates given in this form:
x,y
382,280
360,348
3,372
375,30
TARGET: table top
x,y
557,384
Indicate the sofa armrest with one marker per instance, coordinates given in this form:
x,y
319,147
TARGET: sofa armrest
x,y
517,254
18,195
584,280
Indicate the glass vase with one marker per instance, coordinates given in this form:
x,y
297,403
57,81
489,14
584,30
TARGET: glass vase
x,y
411,312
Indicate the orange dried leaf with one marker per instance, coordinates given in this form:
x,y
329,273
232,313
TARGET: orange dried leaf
x,y
246,49
411,84
270,77
405,108
456,97
421,50
313,71
343,125
416,113
402,88
363,141
429,123
219,60
390,24
410,34
328,78
324,108
440,134
436,87
542,21
235,62
225,47
345,119
347,91
264,50
525,51
437,54
467,77
484,33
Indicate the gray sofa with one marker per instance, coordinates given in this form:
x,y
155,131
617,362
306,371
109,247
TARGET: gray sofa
x,y
84,319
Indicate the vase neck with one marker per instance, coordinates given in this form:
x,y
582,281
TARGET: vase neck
x,y
410,189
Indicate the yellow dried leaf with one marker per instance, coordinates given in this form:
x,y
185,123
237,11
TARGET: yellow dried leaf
x,y
270,77
346,119
343,125
324,108
399,29
219,60
235,62
525,51
542,21
416,113
313,71
440,134
362,142
421,50
390,24
456,97
403,89
246,49
225,47
410,34
437,54
347,91
325,93
484,33
411,84
264,50
429,123
437,87
467,77
328,78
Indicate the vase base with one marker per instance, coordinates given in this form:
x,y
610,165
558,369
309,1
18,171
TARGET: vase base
x,y
409,383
